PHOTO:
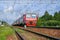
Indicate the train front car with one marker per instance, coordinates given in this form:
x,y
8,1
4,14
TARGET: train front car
x,y
30,19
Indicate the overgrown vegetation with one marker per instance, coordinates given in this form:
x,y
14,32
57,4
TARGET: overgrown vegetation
x,y
5,31
49,20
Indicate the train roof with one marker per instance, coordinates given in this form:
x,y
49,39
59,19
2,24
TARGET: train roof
x,y
30,13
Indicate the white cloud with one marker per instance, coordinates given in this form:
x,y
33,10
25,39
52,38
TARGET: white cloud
x,y
9,9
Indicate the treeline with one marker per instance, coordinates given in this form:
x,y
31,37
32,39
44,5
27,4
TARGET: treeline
x,y
3,23
49,20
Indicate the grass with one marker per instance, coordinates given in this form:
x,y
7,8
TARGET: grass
x,y
19,30
5,31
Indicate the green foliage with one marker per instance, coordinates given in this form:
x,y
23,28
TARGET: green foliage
x,y
46,16
40,22
57,16
52,23
49,20
48,23
5,31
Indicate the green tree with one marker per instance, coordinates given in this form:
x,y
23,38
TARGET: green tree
x,y
49,20
57,16
46,16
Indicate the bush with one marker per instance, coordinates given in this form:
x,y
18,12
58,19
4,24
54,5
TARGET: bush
x,y
48,23
40,22
53,23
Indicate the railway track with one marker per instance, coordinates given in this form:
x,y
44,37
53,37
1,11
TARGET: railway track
x,y
43,35
31,36
19,36
58,28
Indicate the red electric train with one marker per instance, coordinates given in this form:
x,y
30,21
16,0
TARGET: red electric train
x,y
28,19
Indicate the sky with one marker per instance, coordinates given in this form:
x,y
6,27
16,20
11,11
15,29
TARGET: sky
x,y
10,10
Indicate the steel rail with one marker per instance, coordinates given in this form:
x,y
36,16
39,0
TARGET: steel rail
x,y
39,34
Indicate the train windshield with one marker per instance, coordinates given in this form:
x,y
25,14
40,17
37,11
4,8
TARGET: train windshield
x,y
33,16
28,16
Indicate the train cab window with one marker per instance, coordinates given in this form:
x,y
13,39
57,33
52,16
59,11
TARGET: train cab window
x,y
33,16
28,16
